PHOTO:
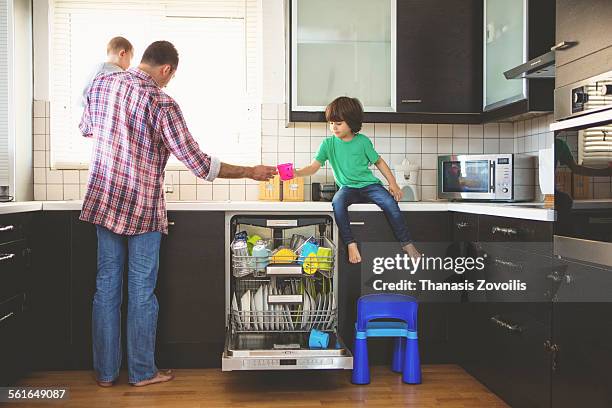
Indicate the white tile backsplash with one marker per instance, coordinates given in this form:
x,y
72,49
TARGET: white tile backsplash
x,y
299,142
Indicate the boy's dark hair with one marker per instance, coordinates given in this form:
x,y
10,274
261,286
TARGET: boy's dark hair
x,y
160,53
345,109
116,44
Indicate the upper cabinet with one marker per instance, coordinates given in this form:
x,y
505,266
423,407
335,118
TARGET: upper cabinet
x,y
586,24
406,60
343,47
514,32
504,48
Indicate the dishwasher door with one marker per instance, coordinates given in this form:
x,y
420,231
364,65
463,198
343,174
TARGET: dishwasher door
x,y
283,351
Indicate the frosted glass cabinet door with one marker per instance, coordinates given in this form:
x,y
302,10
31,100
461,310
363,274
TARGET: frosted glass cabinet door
x,y
504,48
343,47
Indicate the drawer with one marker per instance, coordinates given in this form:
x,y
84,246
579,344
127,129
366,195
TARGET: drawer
x,y
14,258
513,267
14,227
525,233
12,340
465,227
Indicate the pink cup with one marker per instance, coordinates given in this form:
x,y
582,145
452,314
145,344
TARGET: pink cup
x,y
285,171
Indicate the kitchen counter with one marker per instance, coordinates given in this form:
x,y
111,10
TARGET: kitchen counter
x,y
530,211
22,206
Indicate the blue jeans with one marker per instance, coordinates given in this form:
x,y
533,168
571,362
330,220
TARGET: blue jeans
x,y
143,262
374,193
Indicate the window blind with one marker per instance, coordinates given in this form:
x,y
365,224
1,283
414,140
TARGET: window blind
x,y
595,146
4,92
216,85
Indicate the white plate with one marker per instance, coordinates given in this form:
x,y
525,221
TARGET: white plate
x,y
305,308
258,299
245,307
266,308
235,310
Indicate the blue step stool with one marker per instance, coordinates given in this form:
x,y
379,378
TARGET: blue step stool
x,y
406,350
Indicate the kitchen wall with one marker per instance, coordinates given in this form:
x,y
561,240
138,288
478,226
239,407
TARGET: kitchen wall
x,y
298,143
529,137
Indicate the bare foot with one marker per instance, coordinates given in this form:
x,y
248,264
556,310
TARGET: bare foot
x,y
160,377
353,253
412,252
105,384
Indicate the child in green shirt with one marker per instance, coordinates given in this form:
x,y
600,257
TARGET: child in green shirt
x,y
350,153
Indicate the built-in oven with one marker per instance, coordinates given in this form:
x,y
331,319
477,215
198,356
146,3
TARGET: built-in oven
x,y
486,177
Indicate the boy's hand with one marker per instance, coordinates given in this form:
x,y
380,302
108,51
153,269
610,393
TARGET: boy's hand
x,y
396,191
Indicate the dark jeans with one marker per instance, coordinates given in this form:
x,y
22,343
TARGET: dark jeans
x,y
374,193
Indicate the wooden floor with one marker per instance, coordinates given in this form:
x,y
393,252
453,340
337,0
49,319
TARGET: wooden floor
x,y
444,386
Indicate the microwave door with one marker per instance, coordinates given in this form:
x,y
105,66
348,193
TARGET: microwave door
x,y
468,179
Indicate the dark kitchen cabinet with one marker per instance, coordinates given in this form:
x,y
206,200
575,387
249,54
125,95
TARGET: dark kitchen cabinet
x,y
15,294
587,24
581,345
191,290
499,337
438,62
50,300
429,230
439,58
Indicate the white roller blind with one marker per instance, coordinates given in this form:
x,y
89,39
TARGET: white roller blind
x,y
216,85
595,146
4,92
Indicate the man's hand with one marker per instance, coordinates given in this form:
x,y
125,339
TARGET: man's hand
x,y
396,191
262,173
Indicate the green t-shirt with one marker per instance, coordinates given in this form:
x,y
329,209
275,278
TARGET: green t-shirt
x,y
350,160
563,155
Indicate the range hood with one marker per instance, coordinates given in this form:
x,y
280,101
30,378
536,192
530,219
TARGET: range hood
x,y
542,66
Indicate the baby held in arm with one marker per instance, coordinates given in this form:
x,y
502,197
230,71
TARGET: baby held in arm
x,y
350,154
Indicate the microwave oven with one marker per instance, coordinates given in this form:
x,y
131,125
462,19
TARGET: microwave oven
x,y
486,177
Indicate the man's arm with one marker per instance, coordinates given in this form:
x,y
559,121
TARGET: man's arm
x,y
180,142
260,172
85,125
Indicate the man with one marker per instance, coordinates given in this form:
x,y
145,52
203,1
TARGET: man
x,y
136,127
119,54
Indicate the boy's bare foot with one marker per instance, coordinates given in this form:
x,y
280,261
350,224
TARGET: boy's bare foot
x,y
160,377
353,253
412,252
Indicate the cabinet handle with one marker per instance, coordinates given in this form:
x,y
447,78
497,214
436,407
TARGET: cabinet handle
x,y
507,263
5,257
357,223
463,225
6,316
504,230
514,328
412,100
171,223
556,277
7,228
563,45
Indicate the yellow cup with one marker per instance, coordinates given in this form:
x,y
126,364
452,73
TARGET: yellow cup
x,y
324,258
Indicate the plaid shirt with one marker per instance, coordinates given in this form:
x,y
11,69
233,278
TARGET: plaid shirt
x,y
135,127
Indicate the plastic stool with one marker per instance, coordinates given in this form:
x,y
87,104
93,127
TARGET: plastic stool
x,y
406,349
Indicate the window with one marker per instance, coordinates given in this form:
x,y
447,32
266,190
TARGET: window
x,y
5,81
595,146
216,85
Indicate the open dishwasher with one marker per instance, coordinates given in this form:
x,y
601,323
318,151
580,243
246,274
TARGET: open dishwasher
x,y
278,289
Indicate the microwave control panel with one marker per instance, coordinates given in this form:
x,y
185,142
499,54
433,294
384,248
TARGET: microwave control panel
x,y
503,177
